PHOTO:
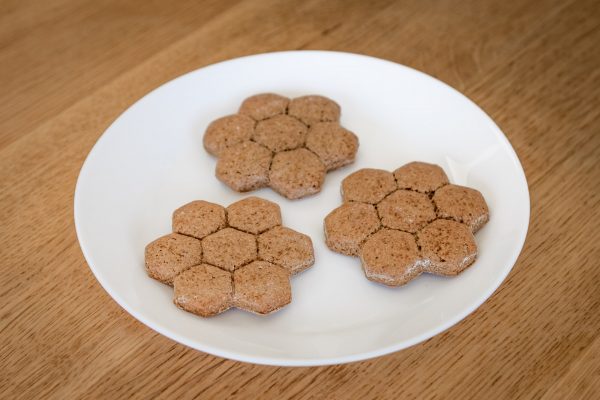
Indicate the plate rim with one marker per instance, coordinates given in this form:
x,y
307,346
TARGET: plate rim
x,y
303,362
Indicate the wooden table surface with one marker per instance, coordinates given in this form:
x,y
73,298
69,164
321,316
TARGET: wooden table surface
x,y
68,68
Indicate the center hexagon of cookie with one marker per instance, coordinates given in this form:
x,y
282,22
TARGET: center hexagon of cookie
x,y
229,248
280,133
406,210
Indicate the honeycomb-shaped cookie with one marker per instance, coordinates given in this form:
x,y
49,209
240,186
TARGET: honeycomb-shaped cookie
x,y
404,223
288,145
239,256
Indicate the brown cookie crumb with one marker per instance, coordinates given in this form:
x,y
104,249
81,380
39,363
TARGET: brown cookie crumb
x,y
171,254
264,105
280,133
253,215
312,109
198,219
286,247
462,204
448,246
226,132
368,185
203,290
334,145
245,166
229,248
420,176
261,287
406,210
349,225
296,173
391,257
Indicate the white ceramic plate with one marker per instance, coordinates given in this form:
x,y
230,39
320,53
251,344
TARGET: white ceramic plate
x,y
151,161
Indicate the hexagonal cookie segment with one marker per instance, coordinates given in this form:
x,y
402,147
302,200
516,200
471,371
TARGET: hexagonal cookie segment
x,y
287,248
168,256
198,218
335,146
368,185
406,210
226,132
313,109
447,246
229,248
280,133
391,257
261,287
253,215
245,166
349,225
420,176
204,290
462,204
264,105
296,173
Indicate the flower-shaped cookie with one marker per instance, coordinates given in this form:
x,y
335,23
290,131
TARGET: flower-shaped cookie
x,y
288,145
404,223
239,256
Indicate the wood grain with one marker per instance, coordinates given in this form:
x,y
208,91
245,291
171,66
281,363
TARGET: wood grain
x,y
69,68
